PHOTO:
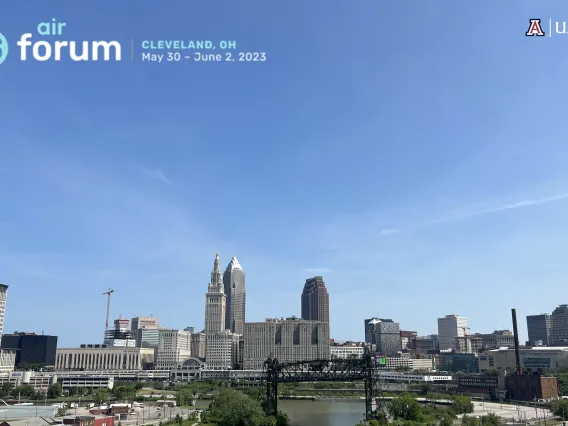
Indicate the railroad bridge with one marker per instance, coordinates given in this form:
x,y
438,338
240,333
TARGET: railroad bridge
x,y
344,370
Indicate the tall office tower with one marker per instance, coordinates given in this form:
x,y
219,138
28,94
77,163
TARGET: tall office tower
x,y
387,337
315,301
7,356
215,302
138,323
538,327
450,327
3,295
370,331
559,326
234,283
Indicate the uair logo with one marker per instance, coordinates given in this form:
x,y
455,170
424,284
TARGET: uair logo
x,y
3,48
57,50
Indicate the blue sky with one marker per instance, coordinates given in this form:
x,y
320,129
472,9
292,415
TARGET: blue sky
x,y
412,153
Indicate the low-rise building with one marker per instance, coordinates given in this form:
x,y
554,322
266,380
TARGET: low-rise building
x,y
527,387
39,381
103,358
539,359
406,338
348,350
457,363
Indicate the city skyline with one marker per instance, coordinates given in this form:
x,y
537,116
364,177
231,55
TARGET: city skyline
x,y
434,180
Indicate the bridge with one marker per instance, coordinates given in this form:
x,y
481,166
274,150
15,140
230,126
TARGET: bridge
x,y
345,370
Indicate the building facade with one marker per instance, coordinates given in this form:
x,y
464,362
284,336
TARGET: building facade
x,y
406,338
198,347
222,350
174,348
234,286
450,327
370,331
387,337
148,337
475,343
539,328
215,302
138,323
538,360
457,363
289,340
346,351
103,358
559,326
315,300
31,349
3,299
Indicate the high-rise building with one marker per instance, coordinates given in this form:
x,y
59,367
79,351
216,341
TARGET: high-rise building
x,y
222,350
120,336
234,286
450,327
288,340
387,337
538,327
7,356
148,337
315,300
370,330
215,302
31,349
174,348
559,326
3,296
138,323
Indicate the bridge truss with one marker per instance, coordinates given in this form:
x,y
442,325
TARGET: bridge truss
x,y
344,370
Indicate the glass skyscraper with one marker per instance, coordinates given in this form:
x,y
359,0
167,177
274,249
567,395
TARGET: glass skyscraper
x,y
234,285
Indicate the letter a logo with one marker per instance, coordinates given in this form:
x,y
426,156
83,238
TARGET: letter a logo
x,y
535,29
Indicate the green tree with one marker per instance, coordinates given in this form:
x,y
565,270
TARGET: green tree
x,y
469,421
560,409
100,396
462,404
405,407
178,419
55,391
491,419
185,397
447,418
24,391
232,408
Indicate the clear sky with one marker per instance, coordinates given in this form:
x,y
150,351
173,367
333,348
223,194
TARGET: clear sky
x,y
414,153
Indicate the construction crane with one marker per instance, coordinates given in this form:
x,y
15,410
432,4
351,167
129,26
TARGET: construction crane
x,y
107,293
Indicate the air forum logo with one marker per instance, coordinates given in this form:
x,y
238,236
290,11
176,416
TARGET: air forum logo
x,y
57,50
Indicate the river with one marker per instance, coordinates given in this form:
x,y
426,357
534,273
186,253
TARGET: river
x,y
323,413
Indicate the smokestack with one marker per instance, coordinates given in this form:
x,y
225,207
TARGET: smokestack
x,y
516,333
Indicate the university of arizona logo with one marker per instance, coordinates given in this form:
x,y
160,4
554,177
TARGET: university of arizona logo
x,y
535,29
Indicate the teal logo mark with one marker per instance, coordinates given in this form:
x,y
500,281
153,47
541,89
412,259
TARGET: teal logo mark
x,y
3,48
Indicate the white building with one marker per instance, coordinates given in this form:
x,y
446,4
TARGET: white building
x,y
543,359
450,327
103,358
347,351
222,350
174,347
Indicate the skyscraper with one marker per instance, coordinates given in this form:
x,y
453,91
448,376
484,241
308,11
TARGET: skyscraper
x,y
315,300
559,326
3,295
215,302
538,327
370,337
450,327
234,284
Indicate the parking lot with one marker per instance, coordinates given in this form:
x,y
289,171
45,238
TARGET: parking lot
x,y
510,411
